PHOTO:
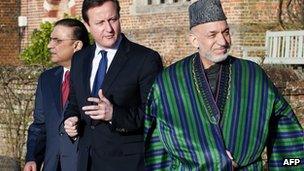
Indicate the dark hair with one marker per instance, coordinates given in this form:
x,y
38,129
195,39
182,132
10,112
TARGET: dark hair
x,y
87,4
79,30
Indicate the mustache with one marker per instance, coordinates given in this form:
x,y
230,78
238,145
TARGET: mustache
x,y
223,47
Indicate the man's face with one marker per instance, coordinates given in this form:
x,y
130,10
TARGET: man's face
x,y
212,40
62,45
104,24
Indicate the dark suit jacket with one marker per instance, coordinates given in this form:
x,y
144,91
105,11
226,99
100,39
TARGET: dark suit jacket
x,y
117,146
46,140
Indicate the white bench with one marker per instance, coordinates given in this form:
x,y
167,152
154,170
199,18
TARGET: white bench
x,y
281,47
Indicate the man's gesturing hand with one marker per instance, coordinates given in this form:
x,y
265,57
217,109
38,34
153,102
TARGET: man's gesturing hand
x,y
102,110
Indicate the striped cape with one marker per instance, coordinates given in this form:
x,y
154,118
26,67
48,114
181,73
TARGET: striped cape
x,y
187,128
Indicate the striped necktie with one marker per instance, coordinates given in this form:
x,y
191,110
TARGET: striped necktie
x,y
65,88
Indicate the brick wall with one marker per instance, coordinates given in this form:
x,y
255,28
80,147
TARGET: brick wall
x,y
161,26
9,32
164,27
32,9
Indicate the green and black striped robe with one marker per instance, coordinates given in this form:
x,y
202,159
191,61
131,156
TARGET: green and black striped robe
x,y
187,128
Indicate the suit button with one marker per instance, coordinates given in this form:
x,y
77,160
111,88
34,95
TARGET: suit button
x,y
61,134
92,127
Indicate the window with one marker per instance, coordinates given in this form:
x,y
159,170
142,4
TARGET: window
x,y
159,6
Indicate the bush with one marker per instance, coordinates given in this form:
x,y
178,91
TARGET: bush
x,y
37,52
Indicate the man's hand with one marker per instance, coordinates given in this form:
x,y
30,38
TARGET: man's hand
x,y
103,110
234,164
70,126
30,166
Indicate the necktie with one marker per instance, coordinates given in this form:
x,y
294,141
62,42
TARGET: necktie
x,y
65,88
100,74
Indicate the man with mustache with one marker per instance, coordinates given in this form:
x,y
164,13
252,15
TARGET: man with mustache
x,y
212,111
47,142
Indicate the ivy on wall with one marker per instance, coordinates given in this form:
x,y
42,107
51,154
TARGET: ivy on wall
x,y
37,52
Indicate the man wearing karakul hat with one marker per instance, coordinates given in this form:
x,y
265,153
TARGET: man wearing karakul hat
x,y
211,111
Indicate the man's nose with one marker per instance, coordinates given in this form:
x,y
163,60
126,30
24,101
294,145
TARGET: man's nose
x,y
108,27
50,45
222,40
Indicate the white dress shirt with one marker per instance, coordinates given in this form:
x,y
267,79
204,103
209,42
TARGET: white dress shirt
x,y
97,57
64,71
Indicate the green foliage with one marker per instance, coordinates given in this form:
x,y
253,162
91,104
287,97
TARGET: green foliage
x,y
37,52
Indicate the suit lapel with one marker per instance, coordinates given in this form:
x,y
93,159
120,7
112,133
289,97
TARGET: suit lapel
x,y
56,90
117,64
87,68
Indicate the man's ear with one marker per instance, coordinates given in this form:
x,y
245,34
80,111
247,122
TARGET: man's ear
x,y
87,26
77,45
193,40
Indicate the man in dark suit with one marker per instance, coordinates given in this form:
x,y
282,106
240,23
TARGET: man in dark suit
x,y
46,140
109,85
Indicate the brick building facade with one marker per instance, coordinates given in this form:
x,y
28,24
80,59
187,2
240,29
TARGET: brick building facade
x,y
159,24
9,32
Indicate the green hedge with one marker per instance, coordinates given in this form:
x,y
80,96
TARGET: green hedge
x,y
37,52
